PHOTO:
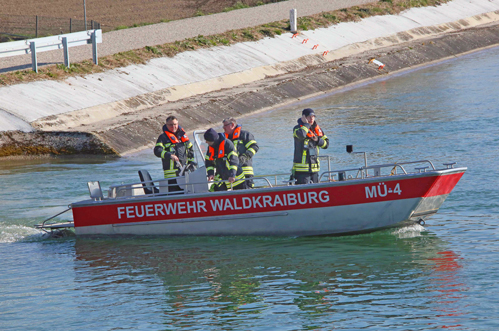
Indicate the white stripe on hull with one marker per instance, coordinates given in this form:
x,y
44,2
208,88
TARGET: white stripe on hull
x,y
302,222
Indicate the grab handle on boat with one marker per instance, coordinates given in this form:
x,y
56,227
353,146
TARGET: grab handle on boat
x,y
421,169
48,219
450,165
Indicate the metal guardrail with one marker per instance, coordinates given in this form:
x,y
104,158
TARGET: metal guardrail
x,y
63,41
363,171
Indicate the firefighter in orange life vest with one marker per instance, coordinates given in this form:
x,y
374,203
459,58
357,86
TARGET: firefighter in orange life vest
x,y
245,145
175,150
308,139
222,163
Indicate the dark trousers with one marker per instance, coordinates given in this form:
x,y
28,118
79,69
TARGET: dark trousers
x,y
306,177
223,187
249,181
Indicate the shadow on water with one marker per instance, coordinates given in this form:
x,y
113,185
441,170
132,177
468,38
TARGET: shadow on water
x,y
205,280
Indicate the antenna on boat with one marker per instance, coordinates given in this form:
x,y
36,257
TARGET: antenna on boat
x,y
350,151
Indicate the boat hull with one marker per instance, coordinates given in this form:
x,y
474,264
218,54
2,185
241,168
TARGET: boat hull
x,y
317,209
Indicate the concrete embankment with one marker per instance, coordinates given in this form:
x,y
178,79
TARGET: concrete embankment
x,y
129,124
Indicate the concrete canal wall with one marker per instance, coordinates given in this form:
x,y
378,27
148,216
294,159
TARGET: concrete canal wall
x,y
122,111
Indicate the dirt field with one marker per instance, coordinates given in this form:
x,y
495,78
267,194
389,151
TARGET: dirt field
x,y
114,13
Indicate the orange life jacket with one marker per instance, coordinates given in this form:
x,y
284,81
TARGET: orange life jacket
x,y
316,132
221,151
235,134
174,138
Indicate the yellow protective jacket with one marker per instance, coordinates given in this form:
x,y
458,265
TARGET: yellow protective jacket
x,y
169,144
246,147
307,150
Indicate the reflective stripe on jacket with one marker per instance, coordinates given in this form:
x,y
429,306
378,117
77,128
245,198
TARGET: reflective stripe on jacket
x,y
245,144
223,159
306,151
169,144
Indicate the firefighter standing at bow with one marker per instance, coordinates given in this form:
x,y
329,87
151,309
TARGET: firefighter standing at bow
x,y
308,138
175,150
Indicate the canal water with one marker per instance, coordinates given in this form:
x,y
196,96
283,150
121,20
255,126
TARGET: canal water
x,y
442,275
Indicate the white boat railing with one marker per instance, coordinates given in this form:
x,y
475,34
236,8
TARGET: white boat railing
x,y
275,177
363,172
149,187
161,187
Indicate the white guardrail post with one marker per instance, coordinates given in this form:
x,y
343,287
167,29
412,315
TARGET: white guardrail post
x,y
44,44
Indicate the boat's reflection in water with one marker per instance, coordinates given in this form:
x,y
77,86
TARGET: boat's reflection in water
x,y
205,279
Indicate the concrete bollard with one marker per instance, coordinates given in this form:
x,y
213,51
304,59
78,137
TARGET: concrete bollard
x,y
292,20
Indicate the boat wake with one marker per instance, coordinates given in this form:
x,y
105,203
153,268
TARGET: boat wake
x,y
410,231
14,233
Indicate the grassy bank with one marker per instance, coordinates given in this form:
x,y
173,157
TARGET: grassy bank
x,y
141,56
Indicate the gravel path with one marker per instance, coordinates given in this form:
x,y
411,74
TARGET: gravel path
x,y
128,39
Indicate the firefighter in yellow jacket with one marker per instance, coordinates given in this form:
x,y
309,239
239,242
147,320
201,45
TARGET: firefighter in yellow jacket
x,y
245,146
175,150
308,138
